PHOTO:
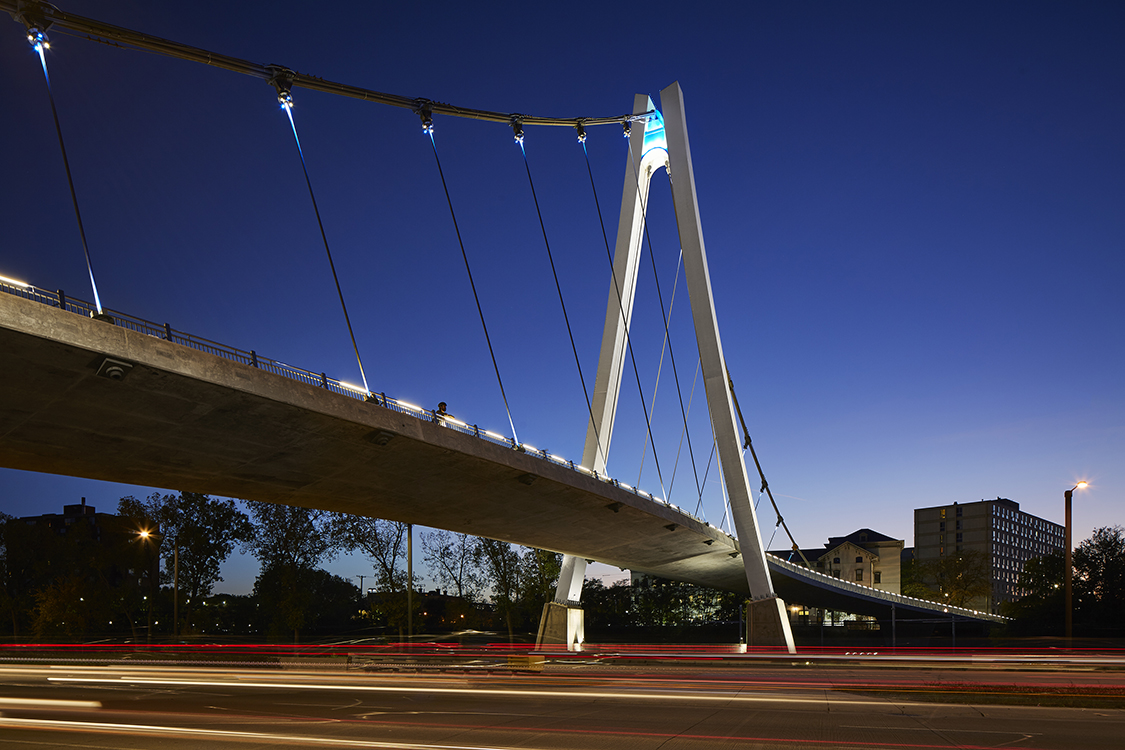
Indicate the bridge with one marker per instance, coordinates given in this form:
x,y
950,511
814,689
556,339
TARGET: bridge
x,y
105,395
132,401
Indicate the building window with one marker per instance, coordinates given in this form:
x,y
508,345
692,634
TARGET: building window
x,y
941,526
878,576
836,573
958,512
958,524
859,574
836,560
859,559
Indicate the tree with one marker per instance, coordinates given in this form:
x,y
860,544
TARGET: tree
x,y
291,542
199,530
454,560
539,575
336,600
1099,579
501,564
1040,611
954,579
384,543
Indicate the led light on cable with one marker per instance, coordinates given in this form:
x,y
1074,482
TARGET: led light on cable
x,y
38,39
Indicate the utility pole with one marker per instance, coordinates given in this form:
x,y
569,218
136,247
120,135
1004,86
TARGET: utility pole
x,y
361,584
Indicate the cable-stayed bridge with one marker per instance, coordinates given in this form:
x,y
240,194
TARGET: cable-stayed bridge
x,y
129,402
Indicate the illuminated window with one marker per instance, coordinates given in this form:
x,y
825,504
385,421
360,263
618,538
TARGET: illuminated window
x,y
859,574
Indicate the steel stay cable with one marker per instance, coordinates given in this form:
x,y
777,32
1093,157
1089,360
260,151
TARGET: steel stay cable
x,y
286,101
39,42
558,288
765,485
621,311
428,129
664,316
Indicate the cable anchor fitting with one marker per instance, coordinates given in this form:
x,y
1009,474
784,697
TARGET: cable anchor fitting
x,y
517,128
282,81
627,126
33,15
425,110
581,132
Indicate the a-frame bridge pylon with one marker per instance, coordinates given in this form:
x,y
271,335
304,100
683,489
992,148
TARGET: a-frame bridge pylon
x,y
665,144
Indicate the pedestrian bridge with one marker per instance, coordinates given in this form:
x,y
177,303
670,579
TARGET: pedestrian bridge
x,y
126,400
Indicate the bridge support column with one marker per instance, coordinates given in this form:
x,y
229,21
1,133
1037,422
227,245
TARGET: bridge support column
x,y
562,624
563,620
766,607
767,624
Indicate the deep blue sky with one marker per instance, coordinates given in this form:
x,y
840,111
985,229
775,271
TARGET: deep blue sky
x,y
913,215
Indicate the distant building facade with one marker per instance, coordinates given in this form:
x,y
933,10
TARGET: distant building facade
x,y
106,529
1008,536
865,557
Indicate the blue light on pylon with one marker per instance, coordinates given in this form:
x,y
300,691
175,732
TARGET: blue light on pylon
x,y
654,134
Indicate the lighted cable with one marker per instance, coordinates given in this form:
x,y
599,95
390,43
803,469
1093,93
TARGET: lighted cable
x,y
286,101
39,43
558,286
428,129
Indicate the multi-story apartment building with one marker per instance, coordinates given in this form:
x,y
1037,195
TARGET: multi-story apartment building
x,y
1008,536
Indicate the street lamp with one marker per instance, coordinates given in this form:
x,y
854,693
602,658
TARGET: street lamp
x,y
1068,566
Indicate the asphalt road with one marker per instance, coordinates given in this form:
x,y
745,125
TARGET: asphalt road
x,y
689,708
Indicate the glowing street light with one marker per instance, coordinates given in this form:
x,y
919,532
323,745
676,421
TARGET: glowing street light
x,y
1068,565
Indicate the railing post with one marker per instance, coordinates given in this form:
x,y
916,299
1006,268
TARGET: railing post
x,y
253,358
323,380
167,332
62,300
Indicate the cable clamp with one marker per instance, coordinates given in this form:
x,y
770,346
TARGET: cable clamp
x,y
581,131
425,110
627,126
282,80
34,16
517,128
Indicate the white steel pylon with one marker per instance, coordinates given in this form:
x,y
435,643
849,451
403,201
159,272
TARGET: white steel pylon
x,y
665,144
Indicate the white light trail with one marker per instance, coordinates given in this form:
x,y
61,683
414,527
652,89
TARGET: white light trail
x,y
473,691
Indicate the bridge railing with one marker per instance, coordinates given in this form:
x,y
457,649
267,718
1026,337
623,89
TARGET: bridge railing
x,y
873,593
62,301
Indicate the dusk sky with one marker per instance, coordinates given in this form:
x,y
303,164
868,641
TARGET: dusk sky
x,y
914,216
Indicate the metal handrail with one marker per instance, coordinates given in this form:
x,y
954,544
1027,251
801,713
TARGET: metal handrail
x,y
81,307
857,588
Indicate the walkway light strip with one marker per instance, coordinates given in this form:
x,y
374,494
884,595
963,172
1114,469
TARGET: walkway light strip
x,y
15,282
348,389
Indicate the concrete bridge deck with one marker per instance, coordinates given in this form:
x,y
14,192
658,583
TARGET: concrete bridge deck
x,y
186,419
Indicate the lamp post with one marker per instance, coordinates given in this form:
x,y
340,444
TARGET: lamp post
x,y
1068,566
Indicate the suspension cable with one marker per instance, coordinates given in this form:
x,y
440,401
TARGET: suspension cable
x,y
659,370
286,101
621,308
664,316
518,129
39,43
428,129
765,485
